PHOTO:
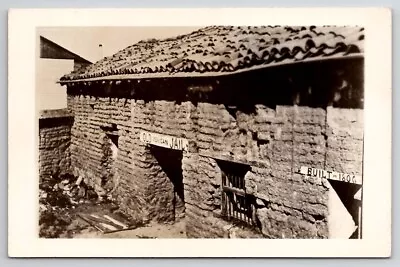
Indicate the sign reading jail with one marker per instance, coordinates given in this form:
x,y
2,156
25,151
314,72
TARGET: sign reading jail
x,y
166,141
331,175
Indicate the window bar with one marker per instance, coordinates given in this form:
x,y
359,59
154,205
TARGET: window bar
x,y
230,206
236,199
244,210
250,213
252,208
224,200
240,200
229,198
240,211
236,181
246,215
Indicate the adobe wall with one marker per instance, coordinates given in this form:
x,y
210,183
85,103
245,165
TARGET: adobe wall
x,y
91,152
162,117
275,140
54,141
201,176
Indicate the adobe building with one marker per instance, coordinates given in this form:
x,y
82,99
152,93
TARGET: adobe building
x,y
239,131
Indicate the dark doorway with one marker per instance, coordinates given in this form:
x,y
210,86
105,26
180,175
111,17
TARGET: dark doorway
x,y
170,162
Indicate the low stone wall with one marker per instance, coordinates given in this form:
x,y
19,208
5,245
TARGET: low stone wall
x,y
54,143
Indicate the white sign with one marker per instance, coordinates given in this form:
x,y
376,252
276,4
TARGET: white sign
x,y
331,175
166,141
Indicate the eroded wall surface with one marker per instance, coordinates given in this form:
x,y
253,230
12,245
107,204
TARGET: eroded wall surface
x,y
274,136
54,144
274,142
91,153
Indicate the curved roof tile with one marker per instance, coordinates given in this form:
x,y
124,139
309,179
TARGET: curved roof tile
x,y
216,49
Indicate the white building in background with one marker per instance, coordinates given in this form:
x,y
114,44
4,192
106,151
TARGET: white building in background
x,y
53,62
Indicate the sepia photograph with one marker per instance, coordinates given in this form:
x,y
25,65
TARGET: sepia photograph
x,y
156,133
208,132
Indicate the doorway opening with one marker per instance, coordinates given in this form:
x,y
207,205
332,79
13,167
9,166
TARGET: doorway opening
x,y
170,162
109,157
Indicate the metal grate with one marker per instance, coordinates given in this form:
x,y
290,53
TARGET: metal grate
x,y
236,204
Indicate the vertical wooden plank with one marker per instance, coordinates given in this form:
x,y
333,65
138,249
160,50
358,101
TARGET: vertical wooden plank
x,y
230,206
223,195
251,214
230,183
246,210
234,206
227,205
240,205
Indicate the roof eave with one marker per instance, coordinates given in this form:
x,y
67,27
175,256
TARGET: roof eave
x,y
206,74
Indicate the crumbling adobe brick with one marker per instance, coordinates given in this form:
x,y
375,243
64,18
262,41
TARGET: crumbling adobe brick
x,y
54,146
274,141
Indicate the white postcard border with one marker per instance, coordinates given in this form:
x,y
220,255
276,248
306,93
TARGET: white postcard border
x,y
22,126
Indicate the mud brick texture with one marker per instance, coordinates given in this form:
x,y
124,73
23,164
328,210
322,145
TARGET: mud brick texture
x,y
274,142
285,120
96,121
54,144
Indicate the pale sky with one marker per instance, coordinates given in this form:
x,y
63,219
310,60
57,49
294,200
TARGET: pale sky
x,y
84,41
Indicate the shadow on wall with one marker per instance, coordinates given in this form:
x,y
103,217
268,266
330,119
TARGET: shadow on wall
x,y
315,84
170,162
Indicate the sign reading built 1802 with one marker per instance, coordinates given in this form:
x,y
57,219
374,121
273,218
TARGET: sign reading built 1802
x,y
166,141
331,175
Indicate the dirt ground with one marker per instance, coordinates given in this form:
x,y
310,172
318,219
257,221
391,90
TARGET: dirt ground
x,y
63,207
176,230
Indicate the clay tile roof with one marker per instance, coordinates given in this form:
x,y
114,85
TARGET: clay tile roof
x,y
216,50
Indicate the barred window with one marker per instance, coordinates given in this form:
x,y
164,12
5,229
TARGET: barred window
x,y
236,204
